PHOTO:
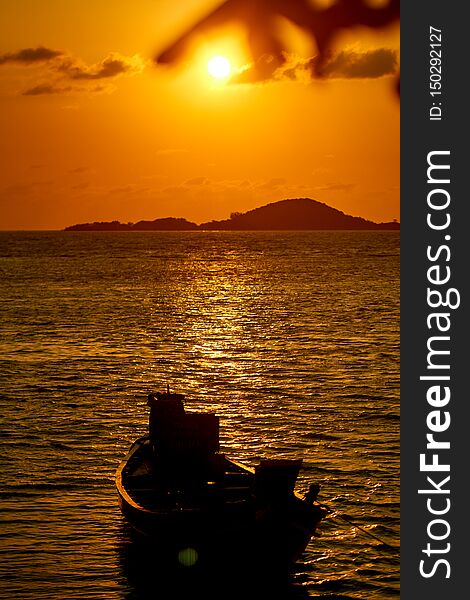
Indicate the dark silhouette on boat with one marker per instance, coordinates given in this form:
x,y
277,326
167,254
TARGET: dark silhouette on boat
x,y
177,489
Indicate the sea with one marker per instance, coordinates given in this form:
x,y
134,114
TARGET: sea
x,y
291,337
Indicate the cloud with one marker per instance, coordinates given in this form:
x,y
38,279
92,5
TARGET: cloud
x,y
264,69
363,65
28,56
60,72
220,186
46,89
175,190
336,187
81,186
272,184
130,188
197,181
79,170
18,189
26,187
347,64
111,66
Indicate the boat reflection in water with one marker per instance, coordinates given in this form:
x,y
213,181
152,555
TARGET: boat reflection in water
x,y
193,509
150,572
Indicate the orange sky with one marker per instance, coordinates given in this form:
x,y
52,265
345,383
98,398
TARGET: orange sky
x,y
91,130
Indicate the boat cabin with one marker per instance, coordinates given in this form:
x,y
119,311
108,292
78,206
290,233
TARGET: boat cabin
x,y
186,450
186,442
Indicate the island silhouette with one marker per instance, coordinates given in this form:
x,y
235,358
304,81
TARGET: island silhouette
x,y
299,214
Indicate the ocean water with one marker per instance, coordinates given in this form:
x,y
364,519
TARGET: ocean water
x,y
293,338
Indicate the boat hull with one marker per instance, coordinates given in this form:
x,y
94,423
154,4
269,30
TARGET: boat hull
x,y
216,527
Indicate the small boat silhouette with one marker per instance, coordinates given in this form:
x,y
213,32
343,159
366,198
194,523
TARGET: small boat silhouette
x,y
178,489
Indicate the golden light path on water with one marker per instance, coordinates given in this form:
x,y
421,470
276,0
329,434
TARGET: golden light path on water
x,y
291,337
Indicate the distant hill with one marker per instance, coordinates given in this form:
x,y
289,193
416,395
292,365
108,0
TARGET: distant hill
x,y
294,214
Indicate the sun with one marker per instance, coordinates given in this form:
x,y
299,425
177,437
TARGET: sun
x,y
219,67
